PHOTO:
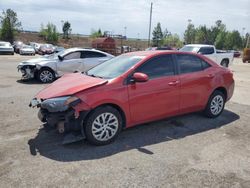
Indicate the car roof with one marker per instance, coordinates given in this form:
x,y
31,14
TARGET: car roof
x,y
200,45
85,49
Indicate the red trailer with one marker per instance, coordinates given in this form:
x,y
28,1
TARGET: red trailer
x,y
106,44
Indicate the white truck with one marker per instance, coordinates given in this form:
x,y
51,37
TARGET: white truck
x,y
220,57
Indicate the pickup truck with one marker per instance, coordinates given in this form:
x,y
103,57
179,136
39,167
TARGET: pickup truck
x,y
220,57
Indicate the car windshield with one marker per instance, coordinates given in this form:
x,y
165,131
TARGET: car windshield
x,y
189,49
114,67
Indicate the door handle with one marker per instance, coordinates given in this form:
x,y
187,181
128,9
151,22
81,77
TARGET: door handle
x,y
173,83
210,75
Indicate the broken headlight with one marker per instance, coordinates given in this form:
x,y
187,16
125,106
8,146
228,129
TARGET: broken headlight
x,y
58,104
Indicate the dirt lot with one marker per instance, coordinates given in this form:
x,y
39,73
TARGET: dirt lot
x,y
187,151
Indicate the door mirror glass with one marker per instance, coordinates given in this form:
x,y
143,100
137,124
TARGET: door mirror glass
x,y
140,77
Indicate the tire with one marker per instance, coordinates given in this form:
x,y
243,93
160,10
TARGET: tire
x,y
224,63
100,123
215,105
46,75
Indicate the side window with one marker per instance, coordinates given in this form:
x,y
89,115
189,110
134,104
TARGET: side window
x,y
90,54
189,63
205,65
73,55
206,50
158,67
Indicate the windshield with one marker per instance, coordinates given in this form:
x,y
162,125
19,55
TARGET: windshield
x,y
115,66
189,49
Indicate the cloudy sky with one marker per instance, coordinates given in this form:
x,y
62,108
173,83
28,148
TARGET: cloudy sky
x,y
115,15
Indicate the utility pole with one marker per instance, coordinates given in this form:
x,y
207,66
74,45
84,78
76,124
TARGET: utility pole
x,y
150,21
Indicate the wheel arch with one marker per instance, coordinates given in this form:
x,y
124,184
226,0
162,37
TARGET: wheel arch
x,y
221,89
117,107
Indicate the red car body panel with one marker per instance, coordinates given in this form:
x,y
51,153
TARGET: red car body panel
x,y
69,84
147,101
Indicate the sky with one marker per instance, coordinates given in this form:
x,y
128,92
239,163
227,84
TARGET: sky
x,y
130,17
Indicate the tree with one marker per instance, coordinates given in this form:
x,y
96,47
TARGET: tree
x,y
96,34
172,41
220,40
189,35
157,35
49,33
233,40
203,35
66,29
9,25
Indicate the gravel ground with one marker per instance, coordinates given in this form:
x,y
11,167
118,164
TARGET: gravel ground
x,y
186,151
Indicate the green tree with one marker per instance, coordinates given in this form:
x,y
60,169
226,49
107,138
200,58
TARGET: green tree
x,y
216,30
189,35
49,33
9,25
233,40
157,35
203,35
96,34
172,41
220,40
66,29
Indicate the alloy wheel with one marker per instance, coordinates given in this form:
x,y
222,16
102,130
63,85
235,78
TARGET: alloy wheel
x,y
217,104
105,126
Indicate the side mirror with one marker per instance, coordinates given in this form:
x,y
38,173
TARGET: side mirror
x,y
60,57
139,77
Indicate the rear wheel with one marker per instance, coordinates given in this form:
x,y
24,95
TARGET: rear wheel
x,y
103,125
224,63
215,105
46,75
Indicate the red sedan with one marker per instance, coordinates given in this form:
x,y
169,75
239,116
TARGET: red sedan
x,y
132,89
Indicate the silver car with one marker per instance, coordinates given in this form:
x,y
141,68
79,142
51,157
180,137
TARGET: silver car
x,y
6,48
29,50
48,68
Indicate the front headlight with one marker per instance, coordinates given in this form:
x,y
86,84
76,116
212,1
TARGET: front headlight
x,y
60,104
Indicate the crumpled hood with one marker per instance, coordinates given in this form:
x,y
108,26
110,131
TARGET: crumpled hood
x,y
36,61
69,84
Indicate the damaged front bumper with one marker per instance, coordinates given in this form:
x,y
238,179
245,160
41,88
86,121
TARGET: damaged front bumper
x,y
28,71
58,114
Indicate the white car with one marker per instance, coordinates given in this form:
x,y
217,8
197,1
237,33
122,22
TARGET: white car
x,y
220,57
29,50
48,68
6,48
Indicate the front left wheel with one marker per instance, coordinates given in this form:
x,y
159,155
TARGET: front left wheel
x,y
103,125
46,75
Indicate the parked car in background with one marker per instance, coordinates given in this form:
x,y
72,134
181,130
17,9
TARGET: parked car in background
x,y
220,57
46,49
6,48
132,89
48,68
35,45
236,53
27,50
17,45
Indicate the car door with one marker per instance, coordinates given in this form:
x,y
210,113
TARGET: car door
x,y
196,77
71,62
93,58
159,96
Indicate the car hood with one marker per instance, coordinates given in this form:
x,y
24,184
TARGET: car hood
x,y
70,84
37,61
